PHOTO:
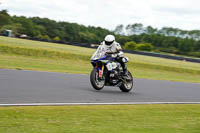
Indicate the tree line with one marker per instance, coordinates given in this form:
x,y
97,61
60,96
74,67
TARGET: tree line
x,y
47,29
138,29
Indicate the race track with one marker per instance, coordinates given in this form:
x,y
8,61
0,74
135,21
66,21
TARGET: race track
x,y
18,86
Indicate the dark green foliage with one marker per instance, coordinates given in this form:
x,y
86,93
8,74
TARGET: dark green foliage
x,y
56,38
141,47
130,45
45,37
4,18
44,28
123,39
144,47
16,28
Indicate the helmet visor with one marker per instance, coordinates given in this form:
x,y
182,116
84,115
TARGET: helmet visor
x,y
108,43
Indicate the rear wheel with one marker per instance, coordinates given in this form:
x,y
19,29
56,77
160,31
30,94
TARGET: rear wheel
x,y
96,82
127,84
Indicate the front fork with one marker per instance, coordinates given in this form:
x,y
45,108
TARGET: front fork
x,y
101,71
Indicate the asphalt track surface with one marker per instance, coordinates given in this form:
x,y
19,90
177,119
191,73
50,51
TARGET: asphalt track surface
x,y
19,86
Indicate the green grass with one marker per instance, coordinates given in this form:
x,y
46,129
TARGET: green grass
x,y
101,119
43,56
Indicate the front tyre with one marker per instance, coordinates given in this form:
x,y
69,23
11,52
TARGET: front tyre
x,y
127,84
97,83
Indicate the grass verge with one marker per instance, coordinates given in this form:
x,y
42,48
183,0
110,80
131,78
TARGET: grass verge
x,y
101,119
42,56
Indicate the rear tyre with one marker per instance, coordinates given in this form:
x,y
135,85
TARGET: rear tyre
x,y
97,83
127,84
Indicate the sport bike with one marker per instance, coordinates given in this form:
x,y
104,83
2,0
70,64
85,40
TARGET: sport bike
x,y
108,72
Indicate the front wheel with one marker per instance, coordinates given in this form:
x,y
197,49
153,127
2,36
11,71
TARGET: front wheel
x,y
127,84
97,83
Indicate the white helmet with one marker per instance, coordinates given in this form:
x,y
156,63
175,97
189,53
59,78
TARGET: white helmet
x,y
109,39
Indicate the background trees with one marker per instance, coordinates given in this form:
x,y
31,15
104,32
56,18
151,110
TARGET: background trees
x,y
134,46
130,45
4,18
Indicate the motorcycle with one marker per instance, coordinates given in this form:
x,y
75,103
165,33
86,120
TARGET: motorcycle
x,y
108,72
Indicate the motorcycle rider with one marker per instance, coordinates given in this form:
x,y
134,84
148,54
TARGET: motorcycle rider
x,y
110,46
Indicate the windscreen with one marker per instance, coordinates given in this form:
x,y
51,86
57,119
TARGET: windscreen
x,y
97,55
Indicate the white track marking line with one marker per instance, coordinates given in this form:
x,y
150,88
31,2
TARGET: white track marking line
x,y
119,103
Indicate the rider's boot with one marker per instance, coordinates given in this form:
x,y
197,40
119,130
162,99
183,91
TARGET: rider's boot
x,y
125,71
125,74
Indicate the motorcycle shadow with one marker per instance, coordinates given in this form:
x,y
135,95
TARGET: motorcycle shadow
x,y
111,90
